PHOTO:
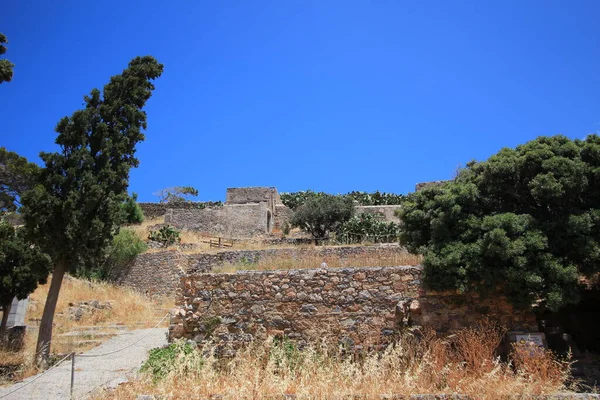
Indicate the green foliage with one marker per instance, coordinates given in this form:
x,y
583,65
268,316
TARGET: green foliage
x,y
322,214
132,212
285,354
6,67
369,227
377,198
125,247
17,175
180,357
526,221
76,208
205,204
176,194
22,266
167,235
296,199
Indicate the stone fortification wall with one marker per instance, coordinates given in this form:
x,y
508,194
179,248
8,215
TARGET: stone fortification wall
x,y
159,272
251,195
232,220
283,214
206,262
350,306
386,212
155,210
154,273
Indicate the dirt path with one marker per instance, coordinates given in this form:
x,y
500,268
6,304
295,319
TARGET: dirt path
x,y
91,373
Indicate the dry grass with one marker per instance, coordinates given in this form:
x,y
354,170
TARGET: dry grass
x,y
380,259
464,365
143,229
130,309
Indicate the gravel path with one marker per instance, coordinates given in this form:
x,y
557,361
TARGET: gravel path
x,y
94,372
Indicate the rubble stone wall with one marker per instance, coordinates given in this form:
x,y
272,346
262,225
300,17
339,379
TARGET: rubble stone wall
x,y
365,306
231,220
154,273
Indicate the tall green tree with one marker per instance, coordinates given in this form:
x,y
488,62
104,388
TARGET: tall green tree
x,y
22,268
526,222
17,175
323,214
75,209
6,67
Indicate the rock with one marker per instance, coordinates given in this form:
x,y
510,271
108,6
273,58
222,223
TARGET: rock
x,y
308,308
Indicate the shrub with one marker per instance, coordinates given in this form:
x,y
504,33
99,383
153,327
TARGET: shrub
x,y
296,199
370,227
125,247
132,212
323,214
166,235
526,221
178,356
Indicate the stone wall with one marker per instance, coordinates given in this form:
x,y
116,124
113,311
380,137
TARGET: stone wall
x,y
155,210
232,220
387,212
158,272
283,214
350,306
154,273
251,195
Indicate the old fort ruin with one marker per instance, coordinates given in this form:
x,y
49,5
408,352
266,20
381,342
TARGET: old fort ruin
x,y
246,213
355,305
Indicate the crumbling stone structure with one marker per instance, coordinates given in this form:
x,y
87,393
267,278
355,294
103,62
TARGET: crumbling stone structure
x,y
247,212
365,306
159,272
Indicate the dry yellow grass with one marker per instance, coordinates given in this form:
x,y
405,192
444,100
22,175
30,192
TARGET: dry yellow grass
x,y
143,229
464,365
382,259
130,309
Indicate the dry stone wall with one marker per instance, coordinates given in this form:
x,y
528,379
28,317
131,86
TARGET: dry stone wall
x,y
155,210
154,273
159,272
350,306
234,220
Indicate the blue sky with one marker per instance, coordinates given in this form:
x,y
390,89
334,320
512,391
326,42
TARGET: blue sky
x,y
328,95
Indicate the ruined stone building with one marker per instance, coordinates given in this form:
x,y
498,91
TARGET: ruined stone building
x,y
247,212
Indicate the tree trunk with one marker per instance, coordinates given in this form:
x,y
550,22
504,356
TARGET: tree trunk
x,y
45,336
5,312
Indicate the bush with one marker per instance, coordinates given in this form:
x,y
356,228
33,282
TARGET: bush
x,y
177,357
125,247
166,235
526,221
370,227
132,212
323,214
296,199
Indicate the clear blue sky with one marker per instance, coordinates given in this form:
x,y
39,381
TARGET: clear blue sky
x,y
328,95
